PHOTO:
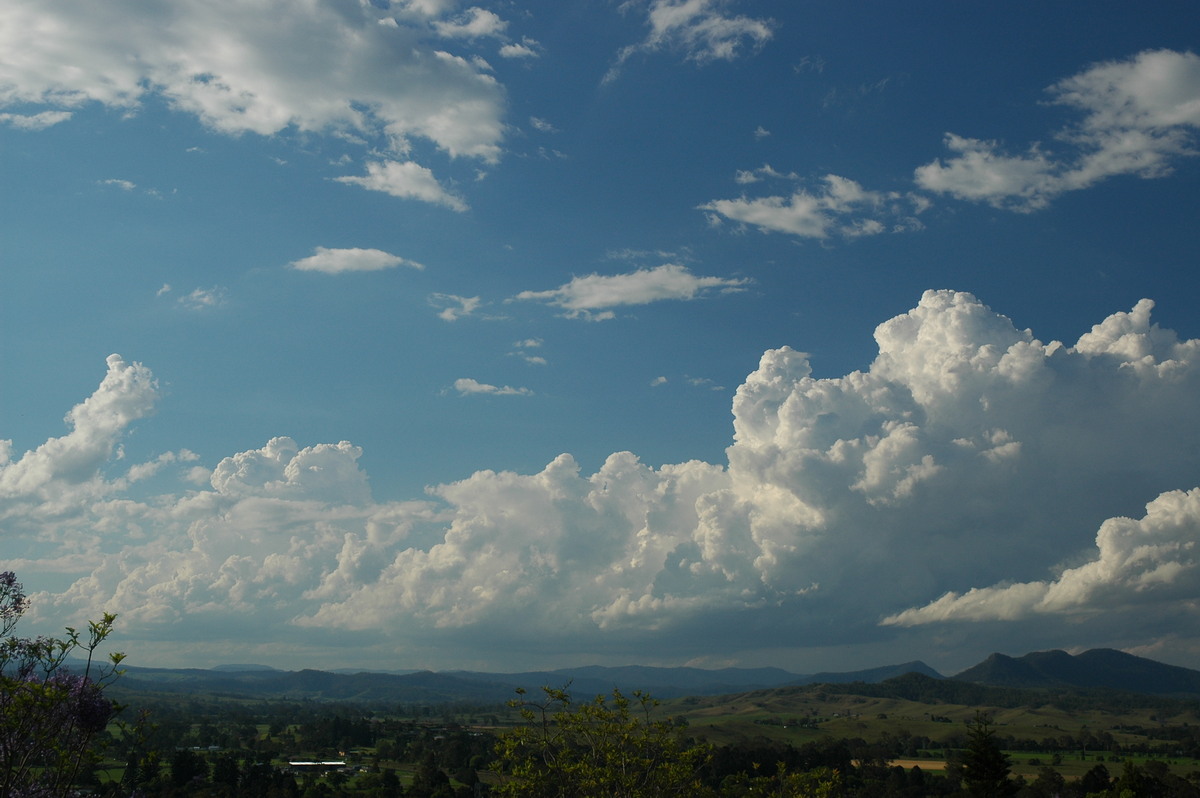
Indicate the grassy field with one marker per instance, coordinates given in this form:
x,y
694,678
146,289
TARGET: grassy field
x,y
802,715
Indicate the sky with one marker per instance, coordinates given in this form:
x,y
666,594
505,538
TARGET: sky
x,y
402,334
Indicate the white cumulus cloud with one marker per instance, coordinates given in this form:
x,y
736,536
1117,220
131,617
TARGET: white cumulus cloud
x,y
201,299
406,179
234,64
38,121
472,23
66,466
1138,564
1140,114
962,476
527,48
699,29
467,386
453,307
839,207
335,261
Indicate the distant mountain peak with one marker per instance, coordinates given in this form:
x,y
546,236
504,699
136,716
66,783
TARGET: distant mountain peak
x,y
1096,668
872,675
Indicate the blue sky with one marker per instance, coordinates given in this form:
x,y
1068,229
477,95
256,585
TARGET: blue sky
x,y
435,334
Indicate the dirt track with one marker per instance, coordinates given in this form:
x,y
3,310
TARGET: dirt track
x,y
923,764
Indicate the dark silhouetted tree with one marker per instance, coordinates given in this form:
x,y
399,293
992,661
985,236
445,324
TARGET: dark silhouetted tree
x,y
985,767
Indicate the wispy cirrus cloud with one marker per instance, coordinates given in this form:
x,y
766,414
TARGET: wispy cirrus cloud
x,y
594,296
204,298
452,307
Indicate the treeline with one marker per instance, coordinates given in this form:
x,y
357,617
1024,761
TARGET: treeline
x,y
731,771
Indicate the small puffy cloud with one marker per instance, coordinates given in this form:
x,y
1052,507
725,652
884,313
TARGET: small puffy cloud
x,y
1140,114
542,125
980,173
203,298
702,30
471,24
840,207
335,261
526,48
522,349
406,179
453,307
593,296
699,29
124,185
657,381
468,387
39,121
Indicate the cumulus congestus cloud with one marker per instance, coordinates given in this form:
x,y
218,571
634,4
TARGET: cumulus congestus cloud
x,y
962,476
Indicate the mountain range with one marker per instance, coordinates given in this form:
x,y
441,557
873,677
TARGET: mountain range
x,y
1098,668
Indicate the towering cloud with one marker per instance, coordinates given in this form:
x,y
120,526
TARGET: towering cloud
x,y
67,467
969,454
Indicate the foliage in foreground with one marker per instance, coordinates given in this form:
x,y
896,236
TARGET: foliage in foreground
x,y
614,746
49,714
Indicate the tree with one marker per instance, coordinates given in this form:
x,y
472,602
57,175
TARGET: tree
x,y
985,767
818,783
1095,780
610,746
49,714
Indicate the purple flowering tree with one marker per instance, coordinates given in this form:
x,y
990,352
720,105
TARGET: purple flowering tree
x,y
50,713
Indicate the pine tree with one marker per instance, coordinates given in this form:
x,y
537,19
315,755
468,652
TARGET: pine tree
x,y
985,767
